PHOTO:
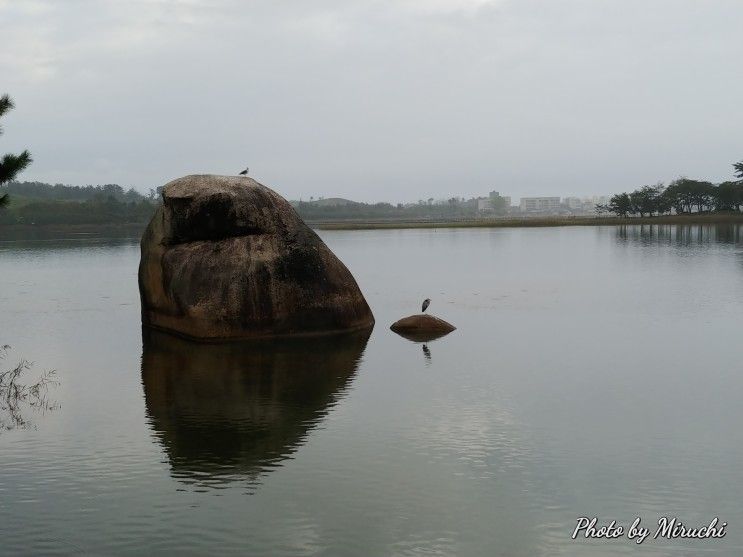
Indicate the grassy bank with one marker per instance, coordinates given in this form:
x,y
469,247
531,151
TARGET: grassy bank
x,y
46,231
13,231
703,218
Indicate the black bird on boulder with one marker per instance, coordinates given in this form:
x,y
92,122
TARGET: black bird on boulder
x,y
426,303
244,172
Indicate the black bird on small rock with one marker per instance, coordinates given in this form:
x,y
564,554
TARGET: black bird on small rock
x,y
426,303
244,172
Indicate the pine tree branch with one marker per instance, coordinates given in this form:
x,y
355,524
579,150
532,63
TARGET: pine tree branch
x,y
738,166
11,165
5,104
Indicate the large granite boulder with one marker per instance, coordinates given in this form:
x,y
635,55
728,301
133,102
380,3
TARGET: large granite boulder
x,y
226,257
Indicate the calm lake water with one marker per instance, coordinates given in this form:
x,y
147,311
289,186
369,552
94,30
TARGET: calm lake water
x,y
594,372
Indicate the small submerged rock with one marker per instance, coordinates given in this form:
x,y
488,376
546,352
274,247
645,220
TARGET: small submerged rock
x,y
422,327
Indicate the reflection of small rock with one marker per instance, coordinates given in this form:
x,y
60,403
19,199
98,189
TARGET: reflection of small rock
x,y
422,328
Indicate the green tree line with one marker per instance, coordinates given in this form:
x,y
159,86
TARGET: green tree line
x,y
61,192
106,211
451,208
681,196
40,203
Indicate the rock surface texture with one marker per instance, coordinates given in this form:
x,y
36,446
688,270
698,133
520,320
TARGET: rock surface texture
x,y
227,258
422,327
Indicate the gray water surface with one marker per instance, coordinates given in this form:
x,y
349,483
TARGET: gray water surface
x,y
594,372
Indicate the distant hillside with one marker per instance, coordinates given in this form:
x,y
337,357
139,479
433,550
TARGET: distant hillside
x,y
333,202
337,208
63,192
326,202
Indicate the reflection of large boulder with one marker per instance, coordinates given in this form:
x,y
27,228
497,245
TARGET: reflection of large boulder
x,y
226,257
231,411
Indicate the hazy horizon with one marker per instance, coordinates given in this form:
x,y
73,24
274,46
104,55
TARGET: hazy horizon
x,y
376,100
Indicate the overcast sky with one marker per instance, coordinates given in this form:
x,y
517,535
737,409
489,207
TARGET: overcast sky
x,y
376,99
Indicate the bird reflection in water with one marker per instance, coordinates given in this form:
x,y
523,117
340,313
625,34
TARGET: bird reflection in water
x,y
232,412
424,338
427,354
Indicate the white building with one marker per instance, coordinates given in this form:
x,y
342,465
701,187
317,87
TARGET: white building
x,y
574,203
540,204
589,203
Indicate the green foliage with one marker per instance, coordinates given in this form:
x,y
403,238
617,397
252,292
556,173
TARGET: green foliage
x,y
688,196
109,211
39,203
60,192
644,201
682,196
5,106
619,204
10,165
738,166
729,196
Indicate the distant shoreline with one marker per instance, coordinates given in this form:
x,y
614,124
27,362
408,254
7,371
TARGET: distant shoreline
x,y
529,222
28,230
